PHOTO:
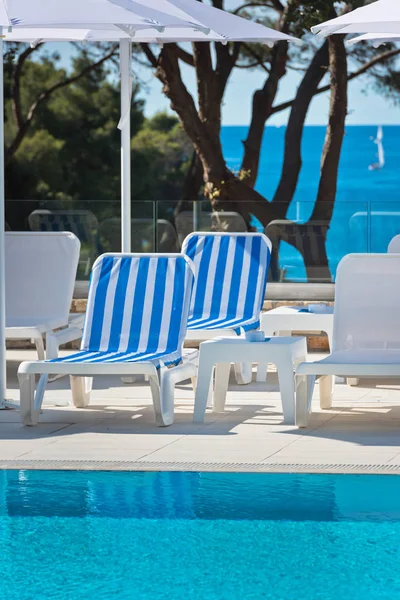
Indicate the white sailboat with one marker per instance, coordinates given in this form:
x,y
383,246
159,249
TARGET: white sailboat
x,y
381,152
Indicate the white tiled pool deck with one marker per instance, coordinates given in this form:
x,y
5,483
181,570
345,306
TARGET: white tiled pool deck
x,y
361,433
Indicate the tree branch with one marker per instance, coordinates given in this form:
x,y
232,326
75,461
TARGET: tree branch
x,y
258,58
16,87
24,125
276,4
151,57
185,56
369,65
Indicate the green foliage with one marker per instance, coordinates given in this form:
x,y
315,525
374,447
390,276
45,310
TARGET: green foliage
x,y
161,154
71,152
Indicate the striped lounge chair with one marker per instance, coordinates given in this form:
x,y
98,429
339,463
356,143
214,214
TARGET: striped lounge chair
x,y
231,277
136,320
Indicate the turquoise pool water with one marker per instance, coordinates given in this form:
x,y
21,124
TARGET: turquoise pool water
x,y
95,536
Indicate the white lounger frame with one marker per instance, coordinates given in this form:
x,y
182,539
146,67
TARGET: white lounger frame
x,y
162,384
40,277
366,329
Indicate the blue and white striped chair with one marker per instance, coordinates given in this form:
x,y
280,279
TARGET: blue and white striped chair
x,y
229,290
136,321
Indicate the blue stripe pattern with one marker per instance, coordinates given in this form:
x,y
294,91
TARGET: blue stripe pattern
x,y
231,277
137,311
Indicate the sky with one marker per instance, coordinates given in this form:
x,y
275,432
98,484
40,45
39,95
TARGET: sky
x,y
366,107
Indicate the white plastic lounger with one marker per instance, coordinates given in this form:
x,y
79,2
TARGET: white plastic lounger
x,y
40,278
229,290
366,329
136,322
394,246
284,320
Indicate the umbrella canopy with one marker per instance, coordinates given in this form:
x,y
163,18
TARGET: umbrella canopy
x,y
147,36
378,17
378,38
133,16
85,13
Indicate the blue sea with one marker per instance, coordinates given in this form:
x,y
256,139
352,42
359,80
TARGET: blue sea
x,y
367,212
196,536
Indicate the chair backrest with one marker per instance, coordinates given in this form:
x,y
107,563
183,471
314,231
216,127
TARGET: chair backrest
x,y
367,301
231,274
394,246
40,276
142,235
308,238
138,303
209,221
82,223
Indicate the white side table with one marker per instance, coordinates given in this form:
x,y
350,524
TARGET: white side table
x,y
286,319
285,352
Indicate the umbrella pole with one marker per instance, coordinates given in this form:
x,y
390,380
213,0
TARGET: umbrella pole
x,y
126,98
3,384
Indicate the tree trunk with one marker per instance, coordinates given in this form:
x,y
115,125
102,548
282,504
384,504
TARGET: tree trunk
x,y
294,132
335,132
323,209
224,189
191,186
263,100
310,238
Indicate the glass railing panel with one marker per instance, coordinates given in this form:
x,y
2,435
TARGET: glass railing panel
x,y
307,244
384,224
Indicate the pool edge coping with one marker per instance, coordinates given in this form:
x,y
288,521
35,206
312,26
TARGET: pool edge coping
x,y
93,465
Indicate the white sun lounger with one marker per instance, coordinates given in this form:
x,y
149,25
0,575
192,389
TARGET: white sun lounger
x,y
136,322
229,290
366,329
40,278
394,246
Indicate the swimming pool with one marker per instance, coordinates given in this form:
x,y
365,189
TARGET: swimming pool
x,y
103,535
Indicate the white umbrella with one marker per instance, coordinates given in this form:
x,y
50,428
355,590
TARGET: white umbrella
x,y
186,20
377,38
378,17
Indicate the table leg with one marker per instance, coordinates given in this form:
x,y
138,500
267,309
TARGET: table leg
x,y
262,368
222,372
287,389
204,379
243,373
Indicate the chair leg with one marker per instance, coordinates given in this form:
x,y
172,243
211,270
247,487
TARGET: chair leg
x,y
325,392
51,346
304,391
39,348
262,368
222,372
262,373
29,416
81,388
243,373
163,390
128,380
155,381
52,353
